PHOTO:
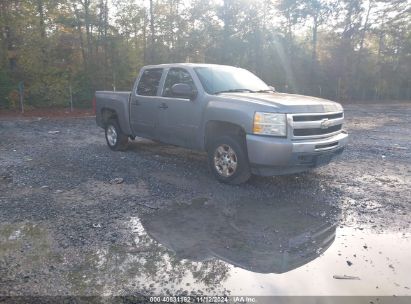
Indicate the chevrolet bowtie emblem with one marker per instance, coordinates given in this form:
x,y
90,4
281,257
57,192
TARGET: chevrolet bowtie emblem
x,y
325,123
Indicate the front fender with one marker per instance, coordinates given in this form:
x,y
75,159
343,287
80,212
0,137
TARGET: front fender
x,y
230,112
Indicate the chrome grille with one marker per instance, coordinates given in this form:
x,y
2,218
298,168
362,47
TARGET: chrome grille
x,y
316,117
305,126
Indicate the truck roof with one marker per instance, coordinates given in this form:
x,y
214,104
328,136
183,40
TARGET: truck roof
x,y
183,64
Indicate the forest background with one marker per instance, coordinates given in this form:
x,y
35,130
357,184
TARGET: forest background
x,y
56,51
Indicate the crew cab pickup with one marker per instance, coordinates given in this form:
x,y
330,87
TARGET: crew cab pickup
x,y
244,125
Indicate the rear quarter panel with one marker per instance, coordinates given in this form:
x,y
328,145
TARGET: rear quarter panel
x,y
117,102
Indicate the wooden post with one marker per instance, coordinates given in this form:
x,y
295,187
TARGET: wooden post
x,y
71,98
114,81
21,95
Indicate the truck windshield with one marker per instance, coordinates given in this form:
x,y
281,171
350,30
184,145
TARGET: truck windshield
x,y
224,79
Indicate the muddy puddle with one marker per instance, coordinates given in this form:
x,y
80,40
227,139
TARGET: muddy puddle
x,y
286,248
249,247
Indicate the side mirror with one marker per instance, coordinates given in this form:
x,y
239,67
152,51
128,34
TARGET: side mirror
x,y
272,88
183,90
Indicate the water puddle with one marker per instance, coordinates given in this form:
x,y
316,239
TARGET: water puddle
x,y
248,247
287,248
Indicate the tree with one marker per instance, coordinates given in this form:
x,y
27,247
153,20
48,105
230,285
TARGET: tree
x,y
347,49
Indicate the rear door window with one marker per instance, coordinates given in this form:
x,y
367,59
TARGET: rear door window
x,y
149,82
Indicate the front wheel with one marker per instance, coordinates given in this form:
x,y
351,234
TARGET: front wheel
x,y
228,160
116,139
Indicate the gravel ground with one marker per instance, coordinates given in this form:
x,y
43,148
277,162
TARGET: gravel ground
x,y
65,197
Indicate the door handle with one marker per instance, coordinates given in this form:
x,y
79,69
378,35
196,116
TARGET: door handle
x,y
163,106
136,103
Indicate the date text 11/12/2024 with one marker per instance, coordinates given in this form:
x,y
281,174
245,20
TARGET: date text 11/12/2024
x,y
202,299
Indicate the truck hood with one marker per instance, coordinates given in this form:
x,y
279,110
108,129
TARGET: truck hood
x,y
287,103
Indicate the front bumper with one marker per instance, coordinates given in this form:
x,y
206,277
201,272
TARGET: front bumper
x,y
277,156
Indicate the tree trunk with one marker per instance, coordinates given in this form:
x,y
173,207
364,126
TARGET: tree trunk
x,y
171,29
5,33
86,7
379,88
226,33
364,31
105,30
42,30
80,35
314,42
145,38
152,30
357,66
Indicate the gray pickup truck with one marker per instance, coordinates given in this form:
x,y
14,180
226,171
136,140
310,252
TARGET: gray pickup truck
x,y
245,126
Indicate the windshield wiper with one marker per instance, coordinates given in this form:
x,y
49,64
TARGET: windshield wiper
x,y
245,90
235,91
264,91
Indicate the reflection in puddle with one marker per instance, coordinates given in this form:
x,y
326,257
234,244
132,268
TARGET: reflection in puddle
x,y
284,248
250,247
253,235
382,267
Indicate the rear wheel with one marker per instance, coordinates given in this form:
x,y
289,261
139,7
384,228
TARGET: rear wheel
x,y
115,138
228,160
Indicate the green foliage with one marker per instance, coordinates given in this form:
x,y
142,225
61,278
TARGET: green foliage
x,y
340,50
82,93
6,87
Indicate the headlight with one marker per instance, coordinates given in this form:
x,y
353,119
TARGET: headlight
x,y
270,124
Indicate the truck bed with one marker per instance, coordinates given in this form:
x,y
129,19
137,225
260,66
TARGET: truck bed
x,y
117,102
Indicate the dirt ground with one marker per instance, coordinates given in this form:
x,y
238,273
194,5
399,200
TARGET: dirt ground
x,y
79,219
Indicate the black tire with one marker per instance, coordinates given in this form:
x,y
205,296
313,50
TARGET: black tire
x,y
242,171
119,142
